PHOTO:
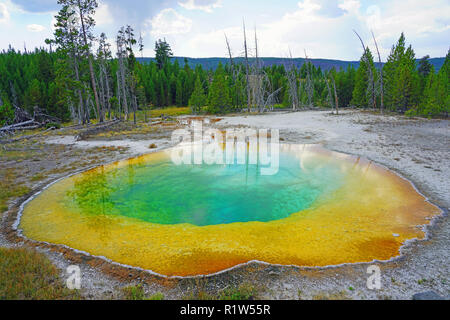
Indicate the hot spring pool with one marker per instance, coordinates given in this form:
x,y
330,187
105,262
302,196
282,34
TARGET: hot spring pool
x,y
321,208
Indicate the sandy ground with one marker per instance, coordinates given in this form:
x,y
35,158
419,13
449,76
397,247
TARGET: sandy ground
x,y
416,149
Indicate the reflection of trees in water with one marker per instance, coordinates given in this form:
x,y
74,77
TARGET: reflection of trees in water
x,y
92,193
91,196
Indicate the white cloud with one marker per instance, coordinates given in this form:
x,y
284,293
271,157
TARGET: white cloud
x,y
351,6
169,22
4,13
309,28
103,16
306,28
35,28
309,6
419,20
53,23
415,17
204,5
328,33
213,42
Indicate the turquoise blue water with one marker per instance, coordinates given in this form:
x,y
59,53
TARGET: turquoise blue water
x,y
165,193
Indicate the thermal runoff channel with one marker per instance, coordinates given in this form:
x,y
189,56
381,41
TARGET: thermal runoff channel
x,y
320,208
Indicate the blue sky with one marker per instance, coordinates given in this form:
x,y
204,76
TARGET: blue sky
x,y
196,28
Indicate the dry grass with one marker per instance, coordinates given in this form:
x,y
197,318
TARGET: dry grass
x,y
16,155
243,292
9,188
138,293
342,295
171,112
28,275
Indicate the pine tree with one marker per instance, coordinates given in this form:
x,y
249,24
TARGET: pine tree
x,y
406,86
6,111
85,11
363,94
443,87
69,49
33,96
425,66
403,91
163,53
219,95
401,66
179,93
198,98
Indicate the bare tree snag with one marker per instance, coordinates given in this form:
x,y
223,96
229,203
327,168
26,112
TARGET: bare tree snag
x,y
309,83
247,70
371,86
381,76
336,99
91,68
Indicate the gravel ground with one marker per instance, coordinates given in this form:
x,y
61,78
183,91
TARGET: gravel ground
x,y
416,149
419,151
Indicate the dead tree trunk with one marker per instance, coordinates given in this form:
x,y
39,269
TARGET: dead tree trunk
x,y
292,80
371,86
91,67
119,98
81,106
247,70
122,78
381,76
233,69
336,99
309,83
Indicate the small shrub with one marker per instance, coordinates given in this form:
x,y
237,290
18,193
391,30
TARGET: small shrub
x,y
422,281
243,292
157,296
134,293
53,125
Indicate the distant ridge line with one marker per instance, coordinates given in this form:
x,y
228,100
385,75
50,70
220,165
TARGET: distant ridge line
x,y
324,64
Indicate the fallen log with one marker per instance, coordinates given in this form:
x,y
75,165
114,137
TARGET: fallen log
x,y
95,129
27,128
25,137
13,127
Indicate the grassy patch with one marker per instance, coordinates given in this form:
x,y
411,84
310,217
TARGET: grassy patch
x,y
138,293
422,281
38,177
171,112
133,293
243,292
158,296
9,188
28,275
16,155
342,295
128,129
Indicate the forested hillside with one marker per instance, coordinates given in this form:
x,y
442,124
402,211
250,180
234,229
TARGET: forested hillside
x,y
324,64
71,82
